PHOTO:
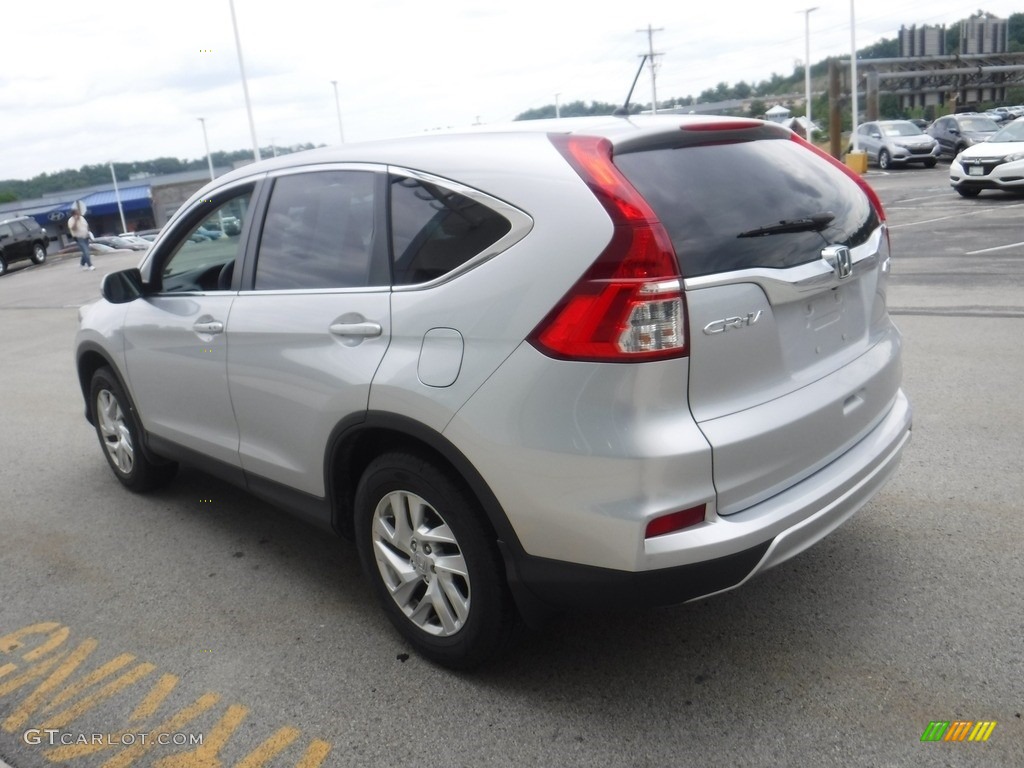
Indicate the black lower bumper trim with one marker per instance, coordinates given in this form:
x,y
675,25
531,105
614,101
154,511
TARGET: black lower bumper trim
x,y
542,585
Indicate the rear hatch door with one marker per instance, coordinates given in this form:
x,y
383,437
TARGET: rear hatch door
x,y
784,259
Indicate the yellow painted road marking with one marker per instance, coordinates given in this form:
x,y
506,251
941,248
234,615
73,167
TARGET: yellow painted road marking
x,y
65,700
13,641
206,754
269,748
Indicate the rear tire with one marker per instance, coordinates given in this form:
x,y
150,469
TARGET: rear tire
x,y
120,433
3,264
433,561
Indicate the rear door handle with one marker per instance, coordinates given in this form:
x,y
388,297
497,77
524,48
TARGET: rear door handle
x,y
364,330
209,326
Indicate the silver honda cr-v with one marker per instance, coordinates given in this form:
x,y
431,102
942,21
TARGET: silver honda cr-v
x,y
574,363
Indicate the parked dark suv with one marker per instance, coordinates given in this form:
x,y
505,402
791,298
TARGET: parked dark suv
x,y
22,238
955,133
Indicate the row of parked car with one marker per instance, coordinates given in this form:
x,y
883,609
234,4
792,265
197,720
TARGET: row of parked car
x,y
22,238
983,154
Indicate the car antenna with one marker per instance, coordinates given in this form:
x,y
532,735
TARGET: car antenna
x,y
623,111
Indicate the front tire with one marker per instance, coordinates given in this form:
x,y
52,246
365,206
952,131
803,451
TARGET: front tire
x,y
120,434
38,254
884,161
930,163
433,561
967,191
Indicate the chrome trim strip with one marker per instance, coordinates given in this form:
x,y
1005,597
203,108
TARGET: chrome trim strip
x,y
792,283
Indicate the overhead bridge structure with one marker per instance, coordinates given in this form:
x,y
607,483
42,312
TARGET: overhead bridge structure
x,y
923,81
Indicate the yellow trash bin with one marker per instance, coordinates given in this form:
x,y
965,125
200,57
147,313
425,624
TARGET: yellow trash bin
x,y
857,161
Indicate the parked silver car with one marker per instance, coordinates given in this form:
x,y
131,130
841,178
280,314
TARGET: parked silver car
x,y
595,362
896,142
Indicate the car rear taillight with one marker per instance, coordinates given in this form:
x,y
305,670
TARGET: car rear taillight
x,y
675,521
629,304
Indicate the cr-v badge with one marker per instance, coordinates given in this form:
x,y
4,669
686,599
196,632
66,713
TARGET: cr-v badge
x,y
729,323
840,259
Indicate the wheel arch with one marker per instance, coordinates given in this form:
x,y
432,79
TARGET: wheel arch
x,y
90,358
356,442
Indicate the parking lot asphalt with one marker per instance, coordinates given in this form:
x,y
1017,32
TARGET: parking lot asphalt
x,y
200,611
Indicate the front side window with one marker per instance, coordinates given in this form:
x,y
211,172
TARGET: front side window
x,y
204,259
436,230
321,232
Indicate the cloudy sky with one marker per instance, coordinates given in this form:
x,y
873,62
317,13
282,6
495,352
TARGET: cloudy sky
x,y
89,82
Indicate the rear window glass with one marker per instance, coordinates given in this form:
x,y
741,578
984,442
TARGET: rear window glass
x,y
706,196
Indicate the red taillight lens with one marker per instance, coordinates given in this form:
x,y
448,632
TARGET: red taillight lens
x,y
629,305
675,521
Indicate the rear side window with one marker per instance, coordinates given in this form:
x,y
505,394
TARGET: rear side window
x,y
708,195
435,230
319,233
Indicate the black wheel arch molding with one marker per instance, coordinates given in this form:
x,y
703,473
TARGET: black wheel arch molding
x,y
89,358
360,438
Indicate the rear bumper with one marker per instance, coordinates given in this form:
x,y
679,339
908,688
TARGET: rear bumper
x,y
730,550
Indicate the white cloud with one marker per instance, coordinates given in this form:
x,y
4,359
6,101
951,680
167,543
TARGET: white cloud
x,y
126,80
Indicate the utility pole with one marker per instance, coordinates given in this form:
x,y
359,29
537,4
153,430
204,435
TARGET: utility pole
x,y
807,72
337,107
650,57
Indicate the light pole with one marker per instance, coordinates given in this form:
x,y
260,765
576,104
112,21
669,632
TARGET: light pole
x,y
206,143
245,85
337,107
853,79
807,72
558,110
117,196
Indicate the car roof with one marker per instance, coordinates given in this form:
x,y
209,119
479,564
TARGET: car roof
x,y
454,142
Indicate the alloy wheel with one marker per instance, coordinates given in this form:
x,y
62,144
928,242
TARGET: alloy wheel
x,y
115,432
421,563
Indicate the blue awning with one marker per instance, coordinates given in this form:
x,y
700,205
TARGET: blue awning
x,y
105,203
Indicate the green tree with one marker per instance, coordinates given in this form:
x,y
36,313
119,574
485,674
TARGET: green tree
x,y
883,49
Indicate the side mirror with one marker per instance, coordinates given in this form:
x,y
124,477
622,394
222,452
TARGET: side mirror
x,y
876,135
955,131
122,287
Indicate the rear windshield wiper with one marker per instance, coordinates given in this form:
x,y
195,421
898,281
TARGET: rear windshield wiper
x,y
814,223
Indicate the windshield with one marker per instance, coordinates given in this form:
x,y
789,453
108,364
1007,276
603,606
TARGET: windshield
x,y
1013,132
978,124
900,129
